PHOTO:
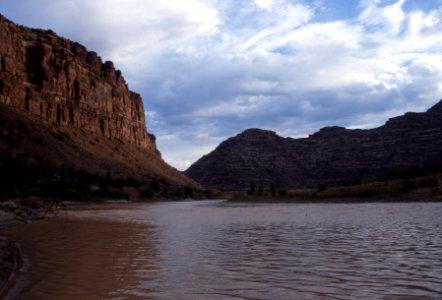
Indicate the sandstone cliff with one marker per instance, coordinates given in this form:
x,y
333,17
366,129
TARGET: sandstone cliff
x,y
62,82
334,155
61,107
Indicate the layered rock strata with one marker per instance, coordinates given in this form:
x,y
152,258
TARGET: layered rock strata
x,y
334,155
60,81
68,119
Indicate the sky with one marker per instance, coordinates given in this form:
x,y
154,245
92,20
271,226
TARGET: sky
x,y
209,69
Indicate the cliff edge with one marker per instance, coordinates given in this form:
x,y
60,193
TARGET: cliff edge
x,y
63,83
62,108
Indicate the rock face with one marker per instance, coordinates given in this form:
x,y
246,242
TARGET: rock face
x,y
65,113
62,82
334,155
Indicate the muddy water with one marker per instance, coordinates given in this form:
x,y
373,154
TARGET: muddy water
x,y
216,250
83,259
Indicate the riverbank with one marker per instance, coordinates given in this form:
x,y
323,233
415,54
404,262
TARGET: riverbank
x,y
10,259
420,189
411,197
13,213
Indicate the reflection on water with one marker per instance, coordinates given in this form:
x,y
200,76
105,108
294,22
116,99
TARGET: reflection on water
x,y
215,250
88,259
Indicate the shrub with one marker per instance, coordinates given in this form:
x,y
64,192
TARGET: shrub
x,y
53,188
407,185
260,191
147,191
252,188
369,179
322,187
282,193
427,182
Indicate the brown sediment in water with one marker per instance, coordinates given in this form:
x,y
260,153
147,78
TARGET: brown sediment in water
x,y
82,259
11,260
222,250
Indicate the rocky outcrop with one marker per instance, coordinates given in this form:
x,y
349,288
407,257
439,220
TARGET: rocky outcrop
x,y
69,123
333,155
62,82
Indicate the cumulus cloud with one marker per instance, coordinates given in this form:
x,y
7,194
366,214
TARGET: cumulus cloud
x,y
297,78
130,32
208,69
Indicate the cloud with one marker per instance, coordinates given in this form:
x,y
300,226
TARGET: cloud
x,y
389,18
264,4
130,32
296,79
208,69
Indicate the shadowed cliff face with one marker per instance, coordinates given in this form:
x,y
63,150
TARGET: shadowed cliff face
x,y
63,83
62,108
333,155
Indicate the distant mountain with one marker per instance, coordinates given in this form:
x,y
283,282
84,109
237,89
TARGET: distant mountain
x,y
68,119
334,155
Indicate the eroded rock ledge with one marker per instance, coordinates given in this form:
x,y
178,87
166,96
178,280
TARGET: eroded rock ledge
x,y
63,83
70,125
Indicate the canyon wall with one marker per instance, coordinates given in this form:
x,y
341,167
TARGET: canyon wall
x,y
333,155
60,81
69,124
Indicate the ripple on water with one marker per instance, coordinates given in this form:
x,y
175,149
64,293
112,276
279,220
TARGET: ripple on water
x,y
213,250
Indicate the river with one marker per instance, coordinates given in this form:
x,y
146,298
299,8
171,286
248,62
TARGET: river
x,y
221,250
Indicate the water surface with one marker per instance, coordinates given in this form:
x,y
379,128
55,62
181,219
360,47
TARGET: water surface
x,y
218,250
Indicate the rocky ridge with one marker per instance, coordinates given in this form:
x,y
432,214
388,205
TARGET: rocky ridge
x,y
333,155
